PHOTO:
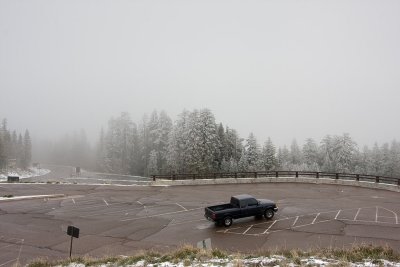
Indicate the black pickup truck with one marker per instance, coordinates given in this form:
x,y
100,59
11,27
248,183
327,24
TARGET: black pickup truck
x,y
240,206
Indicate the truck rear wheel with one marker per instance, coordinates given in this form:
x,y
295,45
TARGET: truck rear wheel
x,y
269,214
228,221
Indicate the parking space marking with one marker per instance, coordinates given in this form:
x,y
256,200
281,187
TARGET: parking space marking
x,y
157,215
395,214
248,229
139,202
266,231
315,218
73,200
181,206
358,212
106,202
337,214
317,215
179,223
295,221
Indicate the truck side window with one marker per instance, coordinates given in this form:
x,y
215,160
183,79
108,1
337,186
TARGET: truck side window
x,y
253,202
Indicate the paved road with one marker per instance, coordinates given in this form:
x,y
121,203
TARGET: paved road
x,y
123,219
67,174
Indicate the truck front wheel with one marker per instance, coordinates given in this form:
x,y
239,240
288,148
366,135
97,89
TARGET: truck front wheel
x,y
228,221
269,214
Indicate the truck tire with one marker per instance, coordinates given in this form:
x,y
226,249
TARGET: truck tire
x,y
268,214
228,221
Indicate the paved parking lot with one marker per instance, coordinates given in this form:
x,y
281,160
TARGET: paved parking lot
x,y
119,220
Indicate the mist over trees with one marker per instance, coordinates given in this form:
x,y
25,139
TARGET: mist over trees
x,y
196,143
15,148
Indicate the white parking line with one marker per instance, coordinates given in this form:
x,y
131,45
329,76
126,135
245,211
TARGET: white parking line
x,y
376,214
295,221
8,246
355,217
157,215
106,202
181,206
248,229
337,214
139,202
266,231
73,200
395,214
315,218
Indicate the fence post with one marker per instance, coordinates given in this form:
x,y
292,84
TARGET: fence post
x,y
194,176
297,174
154,177
337,176
173,177
235,174
357,177
398,182
276,174
215,175
255,174
317,174
377,179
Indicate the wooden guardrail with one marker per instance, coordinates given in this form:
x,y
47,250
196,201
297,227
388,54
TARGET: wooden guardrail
x,y
277,174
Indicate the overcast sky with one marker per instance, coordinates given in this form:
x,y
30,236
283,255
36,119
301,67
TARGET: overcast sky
x,y
284,69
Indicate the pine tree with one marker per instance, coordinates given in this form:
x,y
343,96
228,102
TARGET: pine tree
x,y
252,153
296,157
153,164
268,155
27,150
310,152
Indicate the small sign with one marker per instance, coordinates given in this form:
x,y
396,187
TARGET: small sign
x,y
73,231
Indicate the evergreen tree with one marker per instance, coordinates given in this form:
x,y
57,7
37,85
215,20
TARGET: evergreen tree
x,y
252,153
27,150
295,153
268,155
153,165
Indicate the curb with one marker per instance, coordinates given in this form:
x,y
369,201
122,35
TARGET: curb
x,y
364,184
17,198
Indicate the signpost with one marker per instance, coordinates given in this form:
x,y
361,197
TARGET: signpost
x,y
73,232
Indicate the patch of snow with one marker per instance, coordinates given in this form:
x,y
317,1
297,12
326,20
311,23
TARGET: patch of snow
x,y
22,174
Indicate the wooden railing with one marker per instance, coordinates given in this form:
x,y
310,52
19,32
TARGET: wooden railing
x,y
277,174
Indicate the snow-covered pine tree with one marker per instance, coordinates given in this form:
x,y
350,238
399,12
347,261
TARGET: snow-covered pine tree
x,y
269,155
252,152
296,158
153,165
310,152
27,150
165,128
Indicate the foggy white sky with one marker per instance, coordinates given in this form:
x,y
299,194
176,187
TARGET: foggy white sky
x,y
284,69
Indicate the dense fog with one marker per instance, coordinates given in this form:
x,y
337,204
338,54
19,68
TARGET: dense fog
x,y
325,74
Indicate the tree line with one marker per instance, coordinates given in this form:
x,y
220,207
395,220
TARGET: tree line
x,y
15,148
196,143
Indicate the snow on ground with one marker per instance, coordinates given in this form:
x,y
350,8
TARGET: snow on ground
x,y
31,172
259,261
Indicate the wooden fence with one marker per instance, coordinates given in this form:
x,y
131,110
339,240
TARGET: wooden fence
x,y
277,174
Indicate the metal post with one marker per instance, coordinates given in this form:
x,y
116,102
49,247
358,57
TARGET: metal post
x,y
70,248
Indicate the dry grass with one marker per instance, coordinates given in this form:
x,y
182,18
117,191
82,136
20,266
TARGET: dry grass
x,y
187,254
